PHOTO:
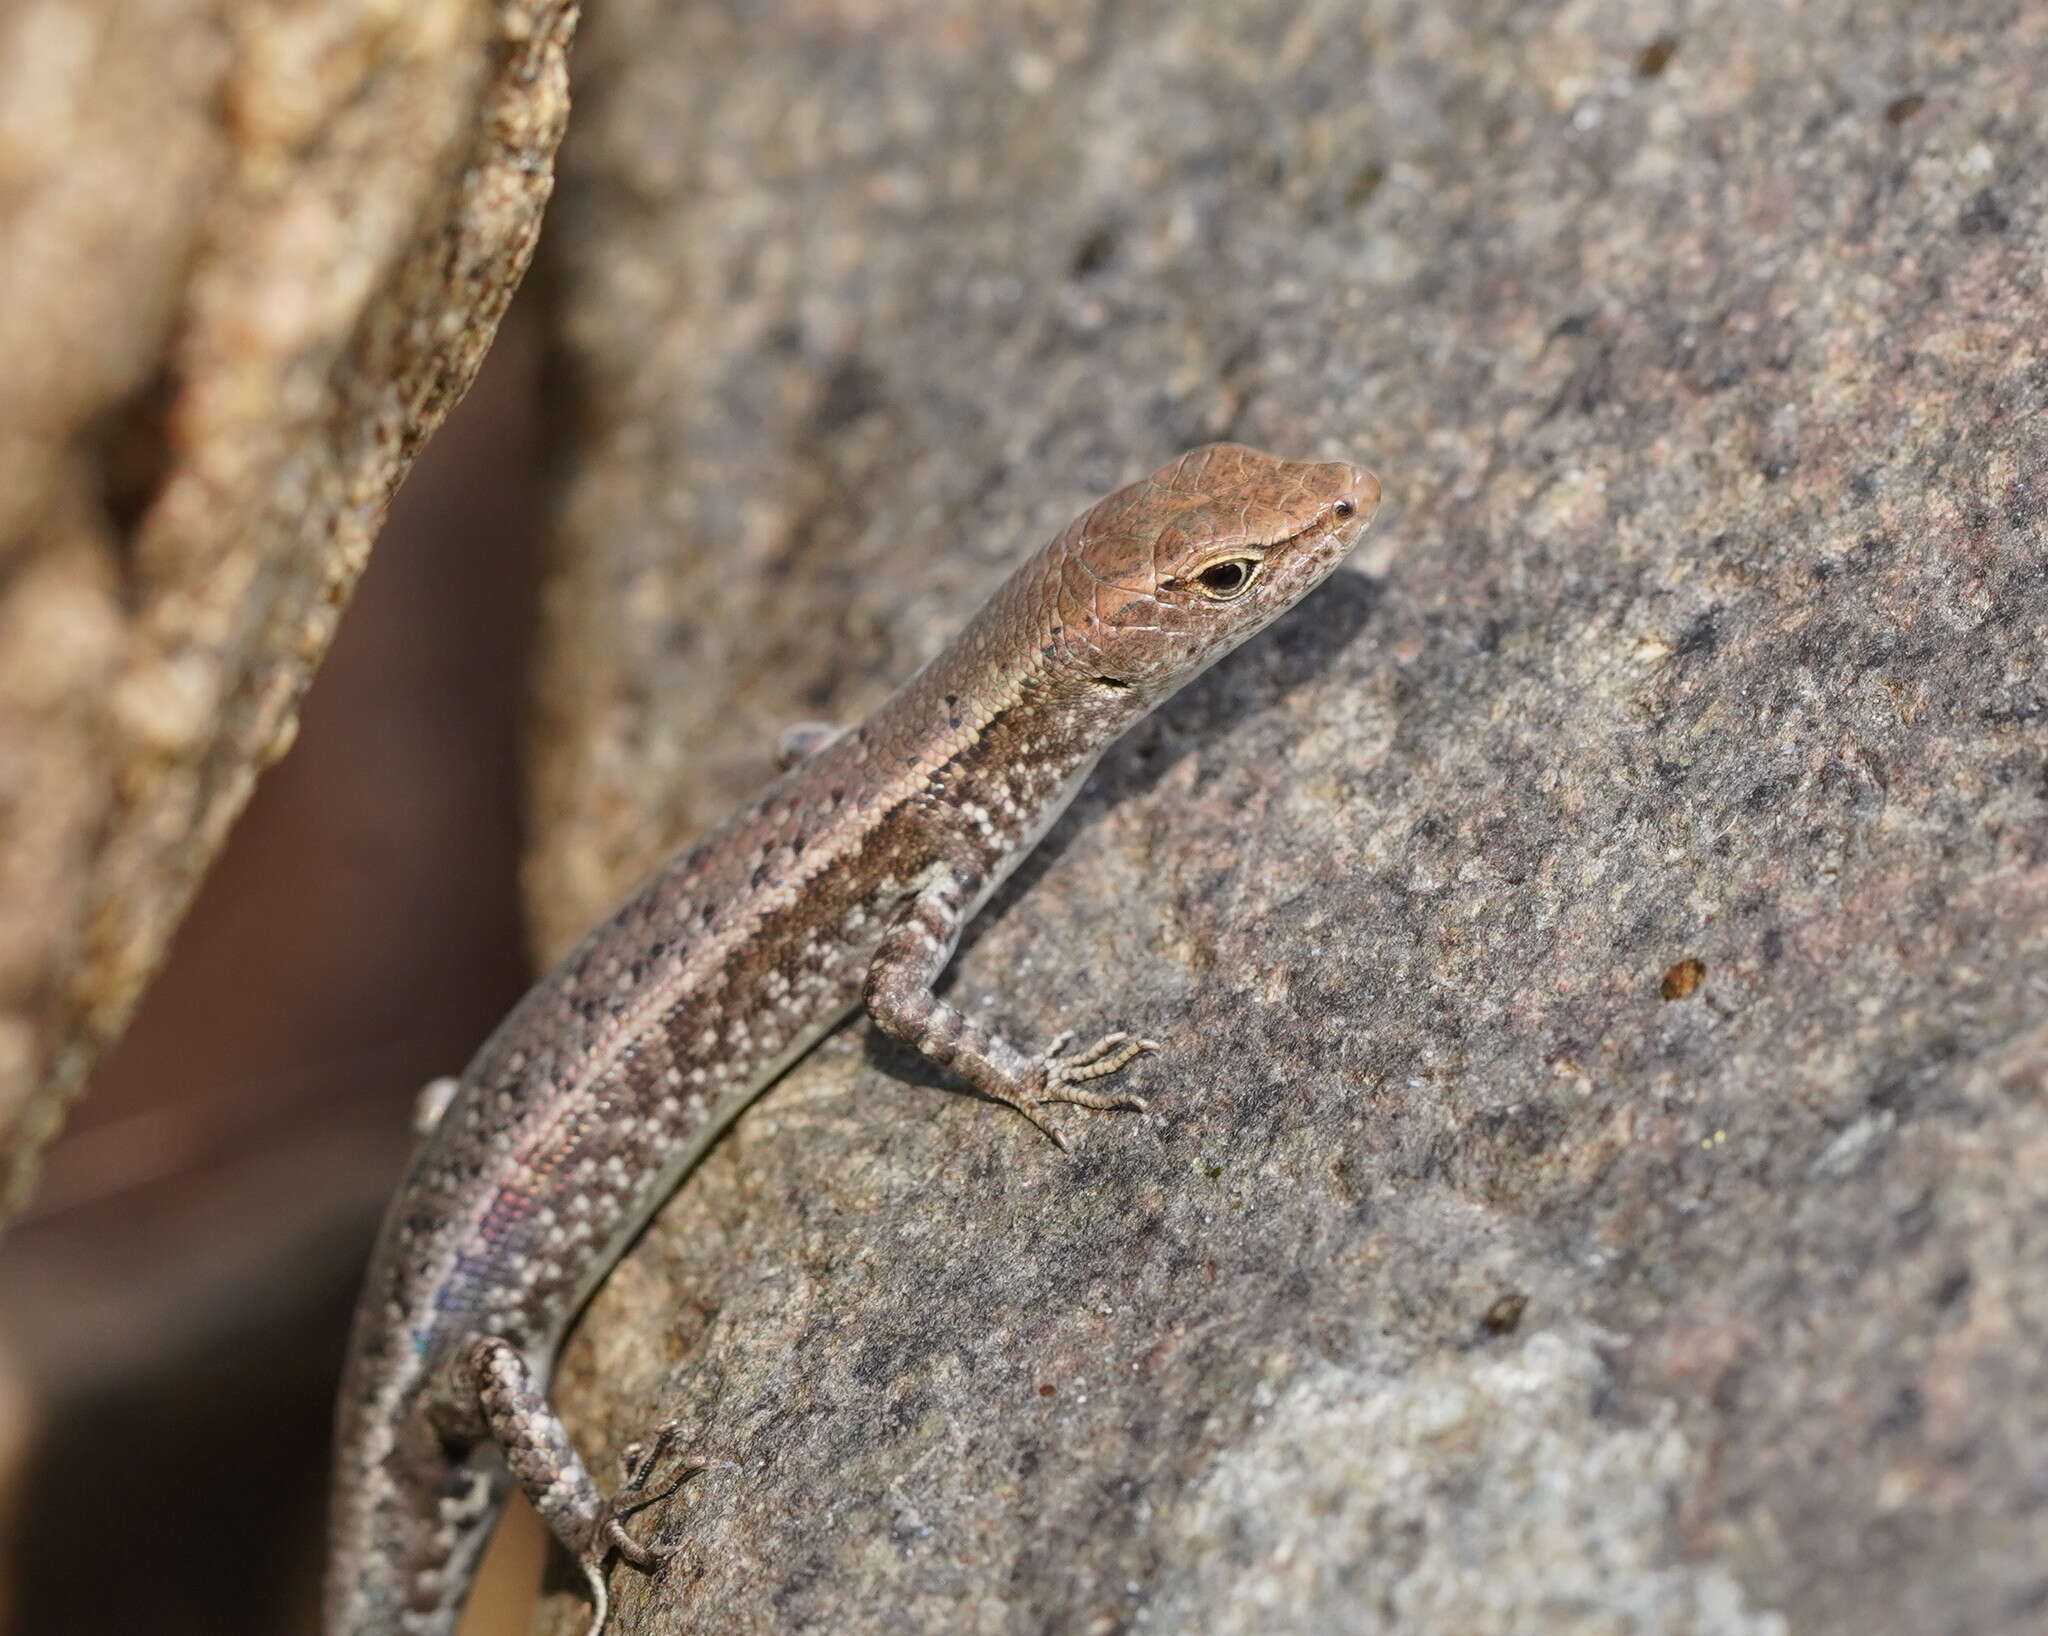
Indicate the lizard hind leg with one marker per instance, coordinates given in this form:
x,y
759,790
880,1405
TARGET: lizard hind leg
x,y
540,1458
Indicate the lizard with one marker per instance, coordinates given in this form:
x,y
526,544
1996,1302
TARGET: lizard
x,y
844,884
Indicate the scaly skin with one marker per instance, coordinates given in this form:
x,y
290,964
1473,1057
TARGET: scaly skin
x,y
847,881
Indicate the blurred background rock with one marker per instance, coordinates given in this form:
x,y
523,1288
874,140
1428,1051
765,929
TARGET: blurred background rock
x,y
250,256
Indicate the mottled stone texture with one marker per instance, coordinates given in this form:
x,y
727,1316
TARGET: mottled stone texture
x,y
1599,1171
252,256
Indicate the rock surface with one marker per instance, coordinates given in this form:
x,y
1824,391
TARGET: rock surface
x,y
253,257
1598,1177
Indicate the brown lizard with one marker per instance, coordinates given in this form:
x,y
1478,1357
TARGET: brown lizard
x,y
846,882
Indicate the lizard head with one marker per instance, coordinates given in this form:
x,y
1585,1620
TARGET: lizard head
x,y
1157,582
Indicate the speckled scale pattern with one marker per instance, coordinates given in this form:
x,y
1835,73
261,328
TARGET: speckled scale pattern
x,y
847,880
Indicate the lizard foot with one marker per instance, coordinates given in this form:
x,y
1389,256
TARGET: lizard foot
x,y
1065,1073
1108,1055
637,1490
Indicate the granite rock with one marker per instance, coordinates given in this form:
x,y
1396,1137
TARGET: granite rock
x,y
1598,1174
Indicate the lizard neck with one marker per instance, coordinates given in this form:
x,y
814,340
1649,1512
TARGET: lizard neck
x,y
1000,725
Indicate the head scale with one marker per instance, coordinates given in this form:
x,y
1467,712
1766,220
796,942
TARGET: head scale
x,y
1164,577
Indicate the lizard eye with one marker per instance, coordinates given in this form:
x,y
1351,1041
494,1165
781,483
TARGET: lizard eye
x,y
1231,577
1344,508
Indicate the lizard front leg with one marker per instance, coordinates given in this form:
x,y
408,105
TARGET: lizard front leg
x,y
803,739
898,995
512,1409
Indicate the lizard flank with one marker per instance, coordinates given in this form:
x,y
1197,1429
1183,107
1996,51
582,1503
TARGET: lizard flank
x,y
846,882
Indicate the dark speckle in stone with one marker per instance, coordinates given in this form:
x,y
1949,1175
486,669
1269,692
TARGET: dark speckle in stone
x,y
1983,214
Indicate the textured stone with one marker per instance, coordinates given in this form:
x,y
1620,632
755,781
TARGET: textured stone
x,y
1579,1531
1599,1167
253,257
